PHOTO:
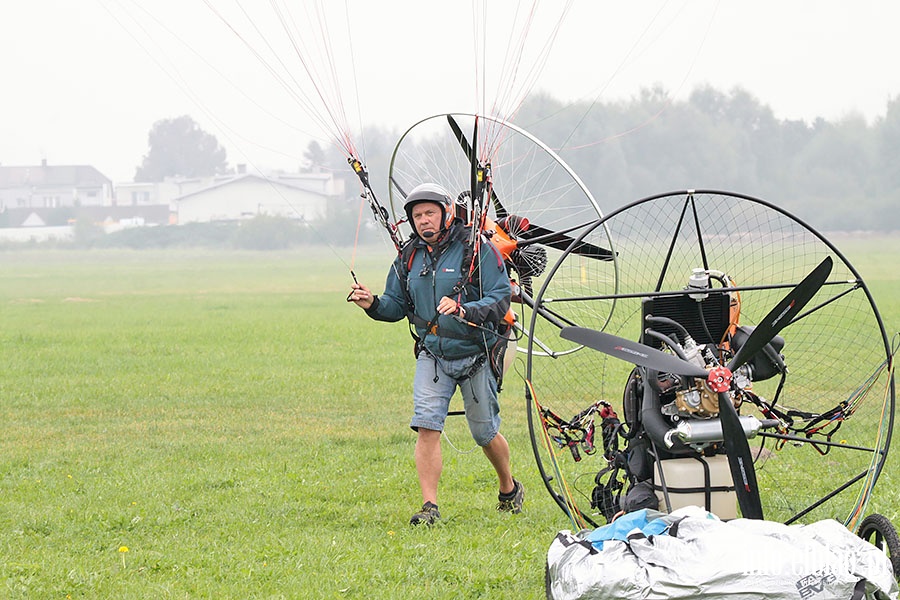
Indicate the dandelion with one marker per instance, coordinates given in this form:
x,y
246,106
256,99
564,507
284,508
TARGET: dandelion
x,y
122,551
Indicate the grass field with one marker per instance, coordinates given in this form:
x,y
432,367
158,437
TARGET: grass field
x,y
199,424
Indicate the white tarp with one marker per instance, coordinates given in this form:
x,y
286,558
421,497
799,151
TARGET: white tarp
x,y
699,556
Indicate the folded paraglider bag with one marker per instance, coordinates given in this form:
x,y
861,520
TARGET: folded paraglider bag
x,y
692,554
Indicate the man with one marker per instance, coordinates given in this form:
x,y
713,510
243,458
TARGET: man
x,y
455,326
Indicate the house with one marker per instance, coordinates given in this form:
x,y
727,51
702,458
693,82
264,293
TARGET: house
x,y
301,196
53,186
35,197
150,193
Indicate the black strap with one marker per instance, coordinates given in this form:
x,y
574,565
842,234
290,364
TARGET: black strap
x,y
440,331
859,590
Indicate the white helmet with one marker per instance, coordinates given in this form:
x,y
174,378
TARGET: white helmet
x,y
431,192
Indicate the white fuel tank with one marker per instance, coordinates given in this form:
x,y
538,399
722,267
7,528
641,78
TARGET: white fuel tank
x,y
704,481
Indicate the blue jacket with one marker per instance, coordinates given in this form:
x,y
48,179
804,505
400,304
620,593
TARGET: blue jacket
x,y
433,274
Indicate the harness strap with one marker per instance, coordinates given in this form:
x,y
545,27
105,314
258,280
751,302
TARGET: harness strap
x,y
430,327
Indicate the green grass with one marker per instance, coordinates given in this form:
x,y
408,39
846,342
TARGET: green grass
x,y
242,430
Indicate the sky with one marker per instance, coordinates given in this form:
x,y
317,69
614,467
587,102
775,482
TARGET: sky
x,y
84,82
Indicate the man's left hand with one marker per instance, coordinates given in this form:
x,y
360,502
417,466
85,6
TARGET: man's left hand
x,y
449,306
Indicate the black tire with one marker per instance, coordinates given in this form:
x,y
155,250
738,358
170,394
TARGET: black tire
x,y
880,532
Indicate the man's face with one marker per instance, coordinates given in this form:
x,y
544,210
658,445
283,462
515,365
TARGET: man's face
x,y
426,218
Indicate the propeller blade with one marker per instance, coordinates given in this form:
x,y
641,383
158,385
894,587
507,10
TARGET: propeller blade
x,y
473,161
460,136
780,316
740,461
632,352
540,235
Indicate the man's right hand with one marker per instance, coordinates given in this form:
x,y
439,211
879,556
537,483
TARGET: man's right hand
x,y
360,295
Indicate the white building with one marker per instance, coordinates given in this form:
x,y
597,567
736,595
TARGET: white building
x,y
53,186
296,196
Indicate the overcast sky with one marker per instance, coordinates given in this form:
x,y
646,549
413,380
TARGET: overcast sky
x,y
84,82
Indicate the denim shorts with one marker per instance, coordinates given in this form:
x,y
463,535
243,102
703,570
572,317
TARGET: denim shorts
x,y
435,383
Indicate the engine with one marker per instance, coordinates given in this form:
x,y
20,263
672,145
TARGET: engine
x,y
673,420
701,327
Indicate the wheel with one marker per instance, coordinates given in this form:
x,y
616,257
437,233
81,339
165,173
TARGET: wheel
x,y
880,532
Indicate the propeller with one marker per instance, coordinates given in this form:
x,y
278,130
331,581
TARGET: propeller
x,y
718,378
535,234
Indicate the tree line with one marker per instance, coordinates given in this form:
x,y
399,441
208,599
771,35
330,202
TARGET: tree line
x,y
835,175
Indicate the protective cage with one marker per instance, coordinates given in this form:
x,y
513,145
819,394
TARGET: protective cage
x,y
838,387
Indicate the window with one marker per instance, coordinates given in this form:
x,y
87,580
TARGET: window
x,y
140,197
